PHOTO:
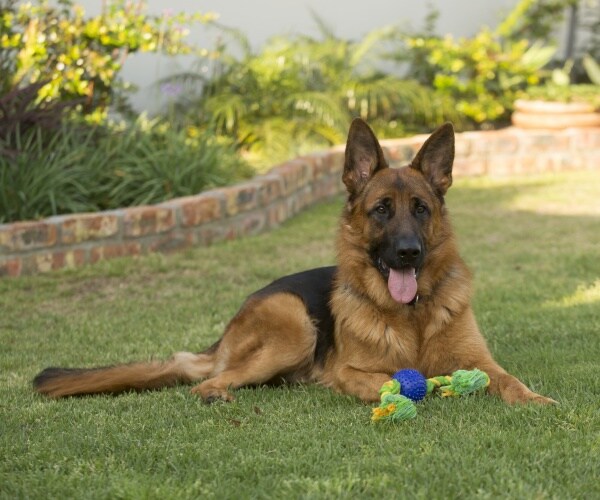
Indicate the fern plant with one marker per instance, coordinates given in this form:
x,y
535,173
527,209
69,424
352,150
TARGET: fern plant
x,y
298,93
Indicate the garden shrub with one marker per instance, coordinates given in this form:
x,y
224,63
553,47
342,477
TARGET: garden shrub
x,y
86,169
59,75
79,56
484,73
48,175
299,93
152,161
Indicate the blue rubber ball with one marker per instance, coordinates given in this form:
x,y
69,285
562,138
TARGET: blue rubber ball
x,y
413,384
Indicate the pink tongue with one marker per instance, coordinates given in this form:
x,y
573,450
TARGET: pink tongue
x,y
402,285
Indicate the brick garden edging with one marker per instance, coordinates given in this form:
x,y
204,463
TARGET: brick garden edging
x,y
266,201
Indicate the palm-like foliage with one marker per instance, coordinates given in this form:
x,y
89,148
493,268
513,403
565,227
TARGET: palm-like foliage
x,y
300,92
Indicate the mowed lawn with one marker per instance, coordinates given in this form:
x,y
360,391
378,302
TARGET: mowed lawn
x,y
534,245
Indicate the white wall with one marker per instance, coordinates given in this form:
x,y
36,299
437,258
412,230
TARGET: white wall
x,y
261,19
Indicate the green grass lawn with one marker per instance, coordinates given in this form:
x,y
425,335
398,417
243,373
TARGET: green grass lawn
x,y
534,244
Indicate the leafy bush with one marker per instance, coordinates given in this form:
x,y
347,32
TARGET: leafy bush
x,y
20,110
482,74
565,93
53,59
89,169
534,20
48,176
77,56
559,87
299,93
151,162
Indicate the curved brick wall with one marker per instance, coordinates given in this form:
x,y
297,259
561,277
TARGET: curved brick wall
x,y
267,200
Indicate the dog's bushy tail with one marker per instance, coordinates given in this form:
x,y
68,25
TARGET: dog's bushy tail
x,y
184,367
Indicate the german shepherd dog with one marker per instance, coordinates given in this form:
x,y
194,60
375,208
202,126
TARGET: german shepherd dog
x,y
398,298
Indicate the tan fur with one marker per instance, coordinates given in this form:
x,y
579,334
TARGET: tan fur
x,y
273,337
269,338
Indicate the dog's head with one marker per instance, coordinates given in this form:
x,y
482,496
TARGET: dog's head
x,y
395,217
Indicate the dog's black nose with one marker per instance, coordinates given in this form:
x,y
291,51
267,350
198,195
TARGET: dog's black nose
x,y
408,251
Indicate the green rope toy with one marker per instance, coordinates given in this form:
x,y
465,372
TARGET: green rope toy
x,y
399,394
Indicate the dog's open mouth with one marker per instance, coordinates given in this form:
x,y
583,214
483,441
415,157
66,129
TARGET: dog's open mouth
x,y
402,283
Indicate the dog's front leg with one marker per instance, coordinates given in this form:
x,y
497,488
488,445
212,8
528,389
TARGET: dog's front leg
x,y
356,382
510,388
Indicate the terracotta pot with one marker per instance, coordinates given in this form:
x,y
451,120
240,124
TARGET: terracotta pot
x,y
554,115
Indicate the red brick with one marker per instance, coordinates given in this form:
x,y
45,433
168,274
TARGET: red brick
x,y
85,227
11,267
277,213
50,261
207,235
27,236
43,262
240,198
37,263
462,147
295,174
317,164
304,198
589,160
141,221
253,223
270,189
171,243
327,187
500,166
113,251
464,167
200,209
583,138
399,151
505,144
481,143
334,162
538,142
69,258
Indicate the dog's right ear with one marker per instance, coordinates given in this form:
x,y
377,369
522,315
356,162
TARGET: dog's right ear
x,y
434,159
364,157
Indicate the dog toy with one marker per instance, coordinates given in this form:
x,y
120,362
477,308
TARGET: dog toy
x,y
413,384
398,395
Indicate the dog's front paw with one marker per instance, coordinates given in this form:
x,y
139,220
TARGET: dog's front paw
x,y
533,397
513,391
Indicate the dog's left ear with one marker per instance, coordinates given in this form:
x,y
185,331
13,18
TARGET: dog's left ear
x,y
364,157
435,158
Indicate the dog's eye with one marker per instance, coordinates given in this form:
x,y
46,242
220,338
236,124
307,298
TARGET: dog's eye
x,y
383,207
421,209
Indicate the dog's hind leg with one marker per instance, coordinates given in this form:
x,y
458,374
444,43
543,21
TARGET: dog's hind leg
x,y
271,336
191,366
